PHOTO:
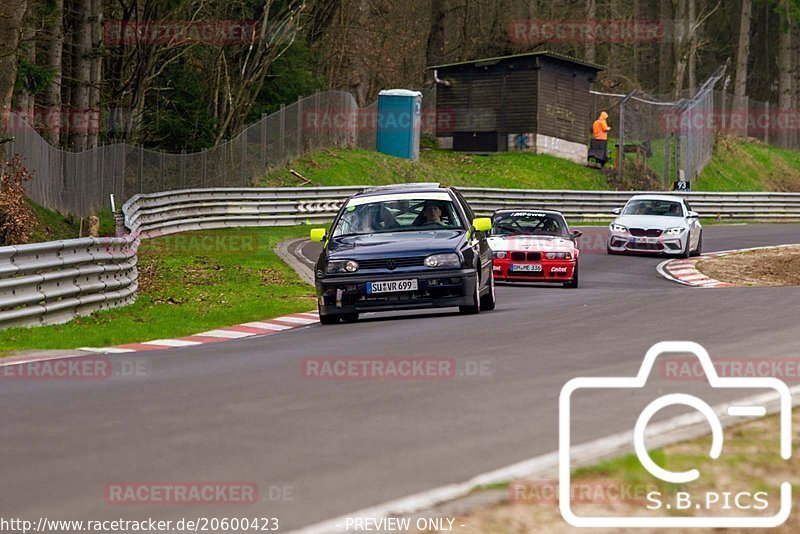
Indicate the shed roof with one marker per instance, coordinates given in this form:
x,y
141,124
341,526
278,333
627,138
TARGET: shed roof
x,y
543,53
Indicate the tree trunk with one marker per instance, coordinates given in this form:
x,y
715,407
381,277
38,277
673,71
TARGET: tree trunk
x,y
665,54
591,15
436,37
743,50
11,14
692,45
785,63
96,73
81,75
25,98
53,44
680,52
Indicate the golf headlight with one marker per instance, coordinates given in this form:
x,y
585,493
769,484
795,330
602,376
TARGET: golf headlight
x,y
619,229
341,266
558,256
443,260
675,231
499,255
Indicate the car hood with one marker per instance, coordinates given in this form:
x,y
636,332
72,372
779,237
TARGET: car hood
x,y
535,243
649,221
394,244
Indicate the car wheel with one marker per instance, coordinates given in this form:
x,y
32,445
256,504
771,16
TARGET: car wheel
x,y
476,307
687,251
350,317
488,301
574,282
699,250
332,318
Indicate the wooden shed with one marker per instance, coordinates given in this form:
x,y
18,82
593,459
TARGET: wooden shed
x,y
538,101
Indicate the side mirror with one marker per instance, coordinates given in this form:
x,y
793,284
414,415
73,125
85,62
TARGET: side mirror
x,y
482,224
318,234
693,215
576,234
616,211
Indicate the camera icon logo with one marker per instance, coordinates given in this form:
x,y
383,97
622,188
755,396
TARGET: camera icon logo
x,y
772,387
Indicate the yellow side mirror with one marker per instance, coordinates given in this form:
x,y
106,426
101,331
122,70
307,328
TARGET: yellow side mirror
x,y
318,234
482,224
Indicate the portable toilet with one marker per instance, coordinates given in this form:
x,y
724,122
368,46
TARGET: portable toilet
x,y
399,121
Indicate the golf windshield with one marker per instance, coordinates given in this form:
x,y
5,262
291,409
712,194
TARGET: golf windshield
x,y
397,215
529,223
663,208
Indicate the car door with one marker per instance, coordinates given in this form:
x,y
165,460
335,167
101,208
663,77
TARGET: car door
x,y
477,240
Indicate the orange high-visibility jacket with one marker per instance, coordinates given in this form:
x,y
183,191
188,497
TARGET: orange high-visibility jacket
x,y
600,127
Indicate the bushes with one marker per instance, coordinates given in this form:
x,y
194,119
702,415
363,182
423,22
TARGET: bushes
x,y
16,216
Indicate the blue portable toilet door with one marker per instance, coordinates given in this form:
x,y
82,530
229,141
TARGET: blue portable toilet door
x,y
399,121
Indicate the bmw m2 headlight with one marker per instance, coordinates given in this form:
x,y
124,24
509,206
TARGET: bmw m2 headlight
x,y
443,260
341,266
499,255
674,231
618,228
558,256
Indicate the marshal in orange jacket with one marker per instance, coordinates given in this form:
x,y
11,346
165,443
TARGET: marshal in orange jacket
x,y
600,127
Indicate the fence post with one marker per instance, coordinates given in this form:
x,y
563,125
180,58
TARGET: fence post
x,y
316,121
769,122
667,159
299,126
281,131
263,142
141,169
183,168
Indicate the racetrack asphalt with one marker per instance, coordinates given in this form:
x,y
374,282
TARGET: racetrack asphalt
x,y
244,411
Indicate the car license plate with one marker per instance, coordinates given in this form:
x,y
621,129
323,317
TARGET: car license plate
x,y
527,267
646,240
392,286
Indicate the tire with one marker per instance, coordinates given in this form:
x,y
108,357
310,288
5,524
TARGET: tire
x,y
350,317
331,318
699,250
686,250
574,282
488,301
476,307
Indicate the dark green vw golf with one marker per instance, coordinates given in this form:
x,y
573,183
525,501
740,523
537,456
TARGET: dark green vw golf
x,y
401,247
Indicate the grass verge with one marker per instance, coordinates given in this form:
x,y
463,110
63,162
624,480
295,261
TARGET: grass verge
x,y
340,166
189,283
737,165
750,462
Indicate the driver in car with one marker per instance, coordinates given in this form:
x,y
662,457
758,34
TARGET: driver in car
x,y
432,215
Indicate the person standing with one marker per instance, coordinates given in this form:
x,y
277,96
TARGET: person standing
x,y
598,148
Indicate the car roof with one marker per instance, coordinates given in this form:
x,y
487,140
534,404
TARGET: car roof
x,y
549,212
672,198
401,188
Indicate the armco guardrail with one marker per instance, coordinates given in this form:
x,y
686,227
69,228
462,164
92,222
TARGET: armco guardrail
x,y
50,283
193,209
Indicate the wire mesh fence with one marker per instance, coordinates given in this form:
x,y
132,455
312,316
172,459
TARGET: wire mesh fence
x,y
663,138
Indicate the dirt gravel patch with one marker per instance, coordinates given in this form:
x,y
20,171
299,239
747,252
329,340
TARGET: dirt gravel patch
x,y
764,267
